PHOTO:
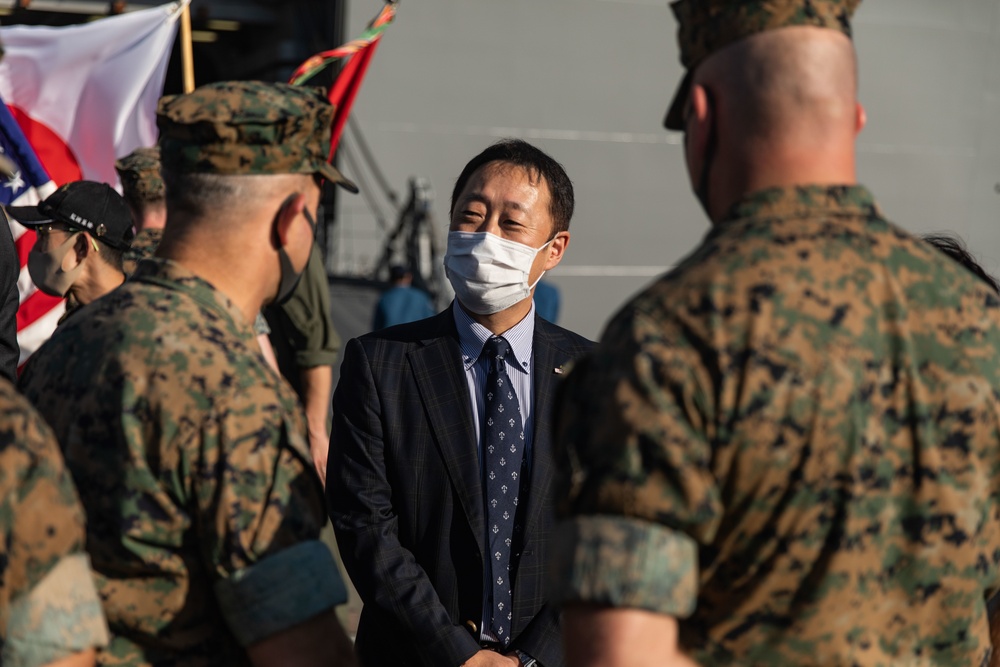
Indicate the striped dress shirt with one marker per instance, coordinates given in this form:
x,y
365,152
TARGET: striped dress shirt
x,y
472,336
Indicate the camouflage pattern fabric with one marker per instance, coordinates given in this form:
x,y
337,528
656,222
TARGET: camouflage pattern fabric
x,y
140,175
706,26
189,453
42,533
143,246
790,442
248,127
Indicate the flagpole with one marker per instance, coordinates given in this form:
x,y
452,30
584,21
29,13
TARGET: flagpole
x,y
187,54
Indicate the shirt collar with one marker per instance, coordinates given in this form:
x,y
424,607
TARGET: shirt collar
x,y
472,336
805,200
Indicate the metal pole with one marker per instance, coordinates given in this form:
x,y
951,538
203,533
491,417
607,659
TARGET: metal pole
x,y
187,53
331,196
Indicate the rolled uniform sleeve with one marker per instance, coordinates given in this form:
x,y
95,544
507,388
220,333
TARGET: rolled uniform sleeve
x,y
261,511
634,426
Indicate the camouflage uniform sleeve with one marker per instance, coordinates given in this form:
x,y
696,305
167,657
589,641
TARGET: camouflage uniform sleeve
x,y
261,511
54,609
634,427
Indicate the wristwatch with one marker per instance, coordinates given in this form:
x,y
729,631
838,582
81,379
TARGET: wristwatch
x,y
526,660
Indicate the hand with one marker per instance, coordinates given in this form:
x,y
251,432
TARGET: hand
x,y
492,659
319,447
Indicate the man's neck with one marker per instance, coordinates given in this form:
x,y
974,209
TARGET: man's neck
x,y
153,219
224,266
505,320
780,170
96,282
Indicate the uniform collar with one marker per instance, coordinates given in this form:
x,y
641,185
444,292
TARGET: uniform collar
x,y
805,201
169,273
472,336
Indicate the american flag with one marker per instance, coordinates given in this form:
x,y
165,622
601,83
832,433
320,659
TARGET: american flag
x,y
37,313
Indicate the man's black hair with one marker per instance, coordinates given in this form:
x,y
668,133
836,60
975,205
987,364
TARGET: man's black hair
x,y
522,154
955,248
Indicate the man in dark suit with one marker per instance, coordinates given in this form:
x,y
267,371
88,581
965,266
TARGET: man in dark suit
x,y
440,462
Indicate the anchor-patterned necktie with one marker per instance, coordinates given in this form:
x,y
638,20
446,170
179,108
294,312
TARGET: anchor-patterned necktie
x,y
503,449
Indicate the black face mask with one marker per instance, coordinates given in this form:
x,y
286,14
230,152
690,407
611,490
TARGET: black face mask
x,y
289,276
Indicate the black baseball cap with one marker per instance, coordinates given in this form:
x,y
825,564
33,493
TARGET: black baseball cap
x,y
85,205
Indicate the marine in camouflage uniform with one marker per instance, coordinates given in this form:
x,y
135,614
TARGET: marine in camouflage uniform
x,y
790,443
142,187
188,449
49,608
144,245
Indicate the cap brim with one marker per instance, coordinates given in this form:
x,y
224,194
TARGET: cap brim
x,y
333,175
675,115
29,216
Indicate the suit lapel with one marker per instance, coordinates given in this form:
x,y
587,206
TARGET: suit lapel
x,y
444,392
546,357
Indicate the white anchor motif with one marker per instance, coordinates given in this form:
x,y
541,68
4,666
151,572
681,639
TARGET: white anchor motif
x,y
504,488
511,422
510,396
495,529
497,555
507,541
489,397
506,515
493,475
493,503
502,435
499,408
490,448
499,581
513,475
513,448
500,606
503,461
489,422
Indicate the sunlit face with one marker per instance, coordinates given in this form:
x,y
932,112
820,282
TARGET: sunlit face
x,y
510,202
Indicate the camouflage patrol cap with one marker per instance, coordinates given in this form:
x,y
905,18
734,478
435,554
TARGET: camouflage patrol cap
x,y
140,174
707,26
248,127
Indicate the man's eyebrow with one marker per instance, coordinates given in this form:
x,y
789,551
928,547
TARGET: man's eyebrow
x,y
483,199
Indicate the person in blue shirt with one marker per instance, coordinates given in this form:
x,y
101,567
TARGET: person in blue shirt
x,y
402,302
547,301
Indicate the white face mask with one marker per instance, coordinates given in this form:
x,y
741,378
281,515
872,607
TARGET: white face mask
x,y
488,273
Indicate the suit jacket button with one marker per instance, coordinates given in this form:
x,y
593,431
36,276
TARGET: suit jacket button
x,y
473,629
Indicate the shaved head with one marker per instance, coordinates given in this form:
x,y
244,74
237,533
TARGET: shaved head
x,y
789,85
775,109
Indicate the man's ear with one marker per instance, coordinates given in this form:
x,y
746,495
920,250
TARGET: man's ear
x,y
82,246
700,120
290,209
860,118
556,249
